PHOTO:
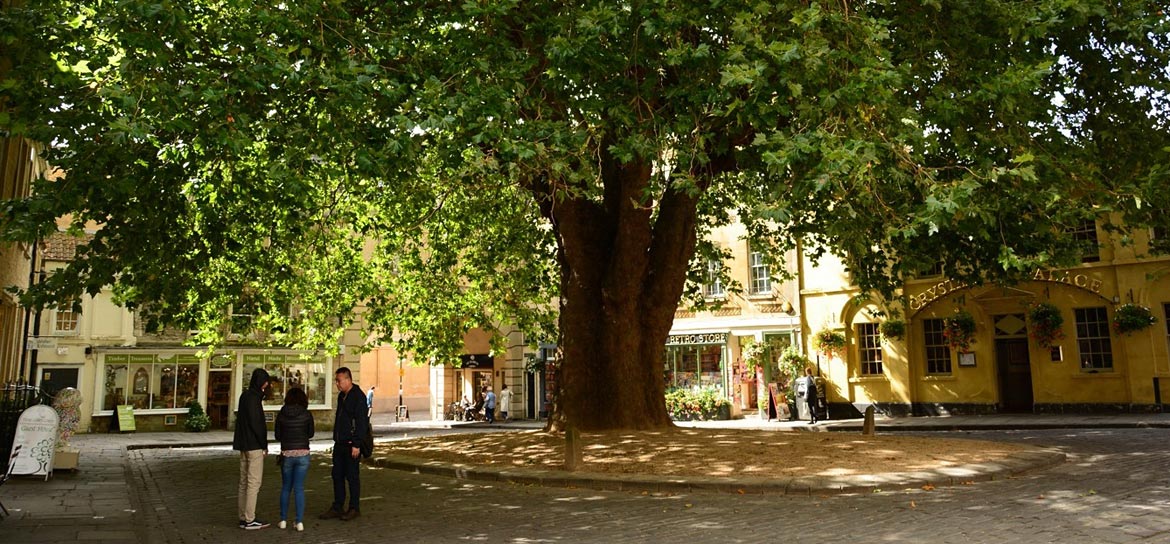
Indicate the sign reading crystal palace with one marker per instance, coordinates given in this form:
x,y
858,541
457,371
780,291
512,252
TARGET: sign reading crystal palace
x,y
932,293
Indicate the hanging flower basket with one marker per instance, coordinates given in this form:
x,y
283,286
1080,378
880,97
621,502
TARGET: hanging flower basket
x,y
959,331
830,342
894,329
1045,321
1128,318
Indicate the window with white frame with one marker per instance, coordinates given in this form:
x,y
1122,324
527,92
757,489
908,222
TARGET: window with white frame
x,y
149,381
1086,236
761,278
66,321
289,371
1093,342
869,349
714,286
938,352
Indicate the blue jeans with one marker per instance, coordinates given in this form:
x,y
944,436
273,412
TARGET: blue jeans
x,y
292,478
345,470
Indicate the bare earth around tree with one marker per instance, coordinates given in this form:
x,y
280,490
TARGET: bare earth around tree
x,y
709,452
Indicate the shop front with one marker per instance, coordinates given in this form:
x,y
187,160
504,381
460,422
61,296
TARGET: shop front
x,y
1086,365
159,385
698,361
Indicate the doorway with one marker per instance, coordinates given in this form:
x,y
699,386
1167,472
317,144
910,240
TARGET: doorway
x,y
52,379
219,397
481,379
1015,374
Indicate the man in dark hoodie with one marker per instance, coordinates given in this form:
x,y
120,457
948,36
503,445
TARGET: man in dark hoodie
x,y
251,440
349,425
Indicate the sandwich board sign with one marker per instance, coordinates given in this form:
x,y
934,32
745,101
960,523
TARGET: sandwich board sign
x,y
36,433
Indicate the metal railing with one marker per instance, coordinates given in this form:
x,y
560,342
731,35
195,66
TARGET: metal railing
x,y
15,397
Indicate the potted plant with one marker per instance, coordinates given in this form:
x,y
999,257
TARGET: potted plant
x,y
959,331
1128,318
1045,322
197,420
894,329
66,402
830,342
791,365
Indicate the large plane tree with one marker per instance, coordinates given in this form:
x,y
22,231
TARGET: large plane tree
x,y
442,165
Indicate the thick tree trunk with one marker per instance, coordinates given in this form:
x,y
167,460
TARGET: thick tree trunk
x,y
622,274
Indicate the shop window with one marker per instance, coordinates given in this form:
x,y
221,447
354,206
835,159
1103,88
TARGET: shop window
x,y
761,278
66,321
714,286
690,366
150,381
1085,235
286,372
938,352
1093,342
869,349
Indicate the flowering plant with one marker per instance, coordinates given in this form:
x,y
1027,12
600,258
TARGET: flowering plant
x,y
959,330
697,404
1128,318
830,342
792,364
66,403
894,329
1046,320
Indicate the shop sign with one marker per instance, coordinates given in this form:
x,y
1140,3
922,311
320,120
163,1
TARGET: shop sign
x,y
695,339
1092,285
934,292
36,434
477,361
126,418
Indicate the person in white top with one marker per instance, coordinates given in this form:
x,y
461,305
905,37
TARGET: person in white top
x,y
505,401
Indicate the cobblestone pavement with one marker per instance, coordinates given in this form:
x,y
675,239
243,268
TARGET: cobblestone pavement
x,y
1114,488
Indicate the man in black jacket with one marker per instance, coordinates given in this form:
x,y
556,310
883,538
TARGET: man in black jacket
x,y
251,440
349,425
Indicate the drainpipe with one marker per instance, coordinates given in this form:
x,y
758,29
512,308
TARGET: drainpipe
x,y
24,355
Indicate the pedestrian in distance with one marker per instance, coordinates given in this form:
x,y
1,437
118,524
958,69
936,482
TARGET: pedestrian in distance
x,y
505,401
489,405
251,440
294,427
370,399
349,426
811,395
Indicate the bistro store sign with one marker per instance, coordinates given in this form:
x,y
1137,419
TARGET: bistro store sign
x,y
932,293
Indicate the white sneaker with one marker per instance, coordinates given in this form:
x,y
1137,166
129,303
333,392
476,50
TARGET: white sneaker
x,y
282,524
300,526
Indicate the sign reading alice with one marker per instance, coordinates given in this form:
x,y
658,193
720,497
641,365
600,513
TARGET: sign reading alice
x,y
932,293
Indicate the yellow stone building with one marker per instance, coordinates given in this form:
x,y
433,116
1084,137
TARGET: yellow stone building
x,y
1093,368
19,165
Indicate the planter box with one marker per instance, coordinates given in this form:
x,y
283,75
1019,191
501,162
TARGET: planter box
x,y
66,459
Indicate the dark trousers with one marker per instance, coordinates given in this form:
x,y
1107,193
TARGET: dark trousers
x,y
812,409
345,469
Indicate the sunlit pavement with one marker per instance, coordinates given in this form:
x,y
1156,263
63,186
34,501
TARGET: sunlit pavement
x,y
1115,487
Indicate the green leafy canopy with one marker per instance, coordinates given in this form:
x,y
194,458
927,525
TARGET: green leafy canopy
x,y
403,159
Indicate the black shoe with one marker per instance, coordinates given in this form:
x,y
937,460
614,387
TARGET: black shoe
x,y
330,514
254,525
351,514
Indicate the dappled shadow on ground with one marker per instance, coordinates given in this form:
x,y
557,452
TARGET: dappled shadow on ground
x,y
709,452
